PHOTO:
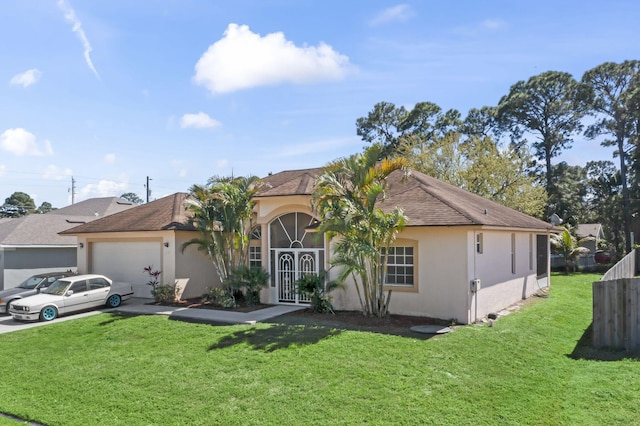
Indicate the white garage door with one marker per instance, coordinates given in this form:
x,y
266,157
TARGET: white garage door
x,y
125,262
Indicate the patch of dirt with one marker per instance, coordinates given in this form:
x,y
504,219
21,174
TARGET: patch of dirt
x,y
399,325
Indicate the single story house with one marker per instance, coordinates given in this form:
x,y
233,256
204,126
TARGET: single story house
x,y
31,244
590,235
460,257
120,246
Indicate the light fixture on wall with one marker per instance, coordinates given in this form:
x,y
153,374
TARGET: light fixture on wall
x,y
166,244
313,226
81,245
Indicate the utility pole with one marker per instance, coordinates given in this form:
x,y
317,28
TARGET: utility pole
x,y
148,189
73,190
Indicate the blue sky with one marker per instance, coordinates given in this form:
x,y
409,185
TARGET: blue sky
x,y
111,92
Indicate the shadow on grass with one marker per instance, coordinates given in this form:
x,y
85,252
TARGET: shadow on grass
x,y
118,316
277,336
584,350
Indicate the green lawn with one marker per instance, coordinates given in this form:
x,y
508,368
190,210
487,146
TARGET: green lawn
x,y
533,367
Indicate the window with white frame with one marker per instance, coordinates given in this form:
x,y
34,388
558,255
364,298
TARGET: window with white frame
x,y
255,247
401,266
479,245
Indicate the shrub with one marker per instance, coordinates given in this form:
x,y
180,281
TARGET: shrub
x,y
219,297
249,281
317,288
164,293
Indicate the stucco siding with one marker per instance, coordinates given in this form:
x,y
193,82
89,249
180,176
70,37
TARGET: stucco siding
x,y
194,266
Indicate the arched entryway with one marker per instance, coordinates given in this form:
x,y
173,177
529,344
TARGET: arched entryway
x,y
293,251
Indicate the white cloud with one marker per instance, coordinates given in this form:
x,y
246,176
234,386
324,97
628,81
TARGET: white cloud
x,y
3,169
221,163
110,158
53,172
486,26
198,121
26,78
399,13
21,142
242,59
70,16
104,188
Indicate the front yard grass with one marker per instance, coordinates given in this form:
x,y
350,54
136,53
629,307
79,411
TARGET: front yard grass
x,y
533,367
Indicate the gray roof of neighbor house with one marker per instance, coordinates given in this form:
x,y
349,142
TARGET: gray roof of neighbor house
x,y
44,229
584,230
167,213
426,201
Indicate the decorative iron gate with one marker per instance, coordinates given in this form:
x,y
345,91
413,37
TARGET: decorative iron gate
x,y
291,265
293,253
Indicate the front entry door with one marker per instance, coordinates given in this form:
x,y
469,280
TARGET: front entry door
x,y
290,265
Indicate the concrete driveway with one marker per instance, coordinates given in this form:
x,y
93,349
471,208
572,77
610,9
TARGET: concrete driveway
x,y
7,324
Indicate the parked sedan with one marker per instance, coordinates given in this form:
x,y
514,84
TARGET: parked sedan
x,y
71,294
29,287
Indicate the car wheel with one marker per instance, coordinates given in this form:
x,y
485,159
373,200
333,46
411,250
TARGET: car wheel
x,y
6,312
48,313
114,301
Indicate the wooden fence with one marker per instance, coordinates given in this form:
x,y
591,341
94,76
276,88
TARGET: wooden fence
x,y
616,307
616,314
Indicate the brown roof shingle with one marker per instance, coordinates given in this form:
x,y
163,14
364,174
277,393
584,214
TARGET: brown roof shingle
x,y
426,201
167,213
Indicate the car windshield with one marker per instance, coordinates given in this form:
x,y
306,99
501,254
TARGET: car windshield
x,y
30,283
58,288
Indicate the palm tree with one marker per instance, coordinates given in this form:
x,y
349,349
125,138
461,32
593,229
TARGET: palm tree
x,y
567,245
222,213
346,198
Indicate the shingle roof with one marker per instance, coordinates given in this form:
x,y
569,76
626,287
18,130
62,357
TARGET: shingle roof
x,y
589,230
167,213
44,229
426,201
290,182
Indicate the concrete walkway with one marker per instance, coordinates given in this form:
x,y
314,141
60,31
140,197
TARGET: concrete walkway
x,y
206,315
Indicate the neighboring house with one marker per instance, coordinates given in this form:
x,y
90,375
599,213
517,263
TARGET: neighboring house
x,y
31,244
453,240
122,245
591,234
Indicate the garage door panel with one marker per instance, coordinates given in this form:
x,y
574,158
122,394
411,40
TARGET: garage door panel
x,y
125,261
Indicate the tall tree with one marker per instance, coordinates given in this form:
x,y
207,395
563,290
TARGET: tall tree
x,y
133,197
569,198
479,166
17,205
347,198
45,207
387,124
550,106
604,199
222,213
617,97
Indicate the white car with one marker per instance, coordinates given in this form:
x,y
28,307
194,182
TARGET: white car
x,y
71,294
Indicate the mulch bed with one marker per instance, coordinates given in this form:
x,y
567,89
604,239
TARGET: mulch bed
x,y
399,325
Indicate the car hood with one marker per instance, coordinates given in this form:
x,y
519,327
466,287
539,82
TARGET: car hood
x,y
13,291
38,299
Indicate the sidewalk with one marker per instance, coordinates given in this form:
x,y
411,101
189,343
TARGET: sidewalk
x,y
136,306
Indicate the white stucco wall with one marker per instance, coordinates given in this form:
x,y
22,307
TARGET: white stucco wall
x,y
448,262
194,266
191,265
